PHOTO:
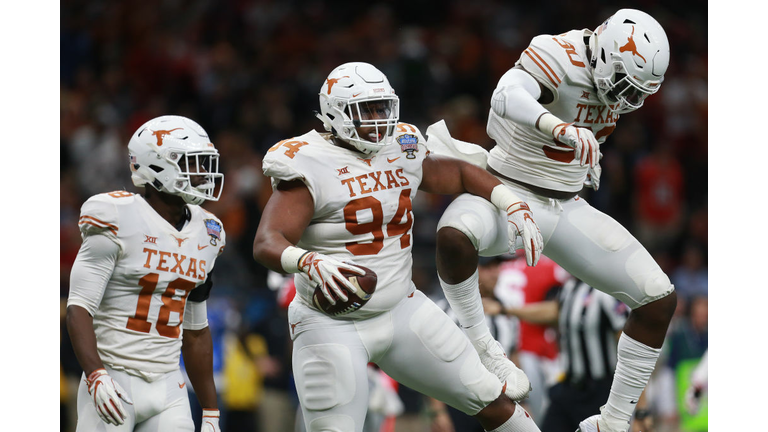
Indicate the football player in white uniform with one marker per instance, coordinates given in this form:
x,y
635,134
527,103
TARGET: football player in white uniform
x,y
141,279
344,198
549,114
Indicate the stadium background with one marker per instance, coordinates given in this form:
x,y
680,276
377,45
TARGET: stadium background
x,y
249,73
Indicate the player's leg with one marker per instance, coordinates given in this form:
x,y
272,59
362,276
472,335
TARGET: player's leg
x,y
88,419
431,355
170,399
330,371
598,250
471,226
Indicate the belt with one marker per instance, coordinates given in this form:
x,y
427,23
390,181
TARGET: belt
x,y
549,193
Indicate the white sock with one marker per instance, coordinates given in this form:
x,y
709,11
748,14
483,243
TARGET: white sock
x,y
464,298
635,364
520,421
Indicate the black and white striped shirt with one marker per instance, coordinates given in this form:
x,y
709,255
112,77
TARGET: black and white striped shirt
x,y
588,323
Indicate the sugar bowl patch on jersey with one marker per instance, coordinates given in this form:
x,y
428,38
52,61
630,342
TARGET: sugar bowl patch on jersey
x,y
213,227
144,300
409,144
362,206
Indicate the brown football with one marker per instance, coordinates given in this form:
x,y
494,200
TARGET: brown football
x,y
365,284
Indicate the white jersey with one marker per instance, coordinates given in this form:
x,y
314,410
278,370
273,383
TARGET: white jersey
x,y
560,63
362,207
138,319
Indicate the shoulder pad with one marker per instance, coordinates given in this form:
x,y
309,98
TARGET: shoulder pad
x,y
548,58
283,160
99,215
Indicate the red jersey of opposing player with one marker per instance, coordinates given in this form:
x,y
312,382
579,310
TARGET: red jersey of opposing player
x,y
519,285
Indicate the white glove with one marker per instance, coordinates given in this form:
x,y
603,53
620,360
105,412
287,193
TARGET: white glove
x,y
521,223
324,271
106,395
581,140
593,177
210,421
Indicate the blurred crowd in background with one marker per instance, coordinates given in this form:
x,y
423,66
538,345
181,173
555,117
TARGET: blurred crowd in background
x,y
249,72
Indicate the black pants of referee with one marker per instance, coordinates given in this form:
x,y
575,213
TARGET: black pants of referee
x,y
569,404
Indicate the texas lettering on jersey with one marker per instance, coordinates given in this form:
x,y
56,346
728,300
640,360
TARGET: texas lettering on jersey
x,y
174,263
372,182
559,63
363,205
139,319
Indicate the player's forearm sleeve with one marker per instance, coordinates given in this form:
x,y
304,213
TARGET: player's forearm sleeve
x,y
91,271
195,316
515,98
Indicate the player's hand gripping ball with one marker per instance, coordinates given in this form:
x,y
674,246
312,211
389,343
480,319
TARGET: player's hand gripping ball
x,y
364,287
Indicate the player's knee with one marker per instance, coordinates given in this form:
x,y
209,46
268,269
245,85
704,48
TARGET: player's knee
x,y
501,407
466,231
656,314
454,242
665,307
483,385
324,379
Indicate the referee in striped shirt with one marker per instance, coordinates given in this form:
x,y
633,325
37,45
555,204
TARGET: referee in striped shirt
x,y
589,323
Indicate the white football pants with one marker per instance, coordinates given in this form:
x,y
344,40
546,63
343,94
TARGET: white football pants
x,y
158,406
587,243
415,343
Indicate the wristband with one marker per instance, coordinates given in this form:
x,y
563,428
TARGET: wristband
x,y
290,259
547,123
210,412
503,198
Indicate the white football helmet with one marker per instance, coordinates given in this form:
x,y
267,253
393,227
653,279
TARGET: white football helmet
x,y
348,98
166,152
630,54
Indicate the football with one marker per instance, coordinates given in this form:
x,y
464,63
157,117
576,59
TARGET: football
x,y
365,284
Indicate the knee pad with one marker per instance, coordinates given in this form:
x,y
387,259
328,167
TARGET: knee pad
x,y
325,376
484,385
647,274
476,218
332,423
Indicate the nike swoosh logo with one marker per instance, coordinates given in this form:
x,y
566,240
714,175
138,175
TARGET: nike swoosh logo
x,y
201,247
633,401
181,385
356,95
392,160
